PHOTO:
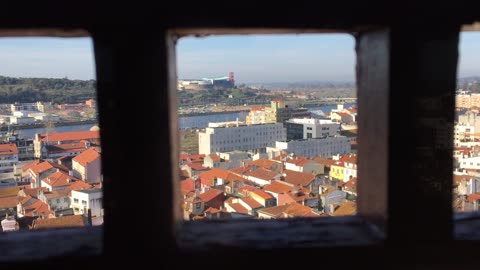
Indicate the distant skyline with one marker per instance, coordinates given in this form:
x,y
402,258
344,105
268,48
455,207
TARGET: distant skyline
x,y
254,59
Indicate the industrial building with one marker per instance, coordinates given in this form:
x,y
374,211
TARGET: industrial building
x,y
207,83
304,128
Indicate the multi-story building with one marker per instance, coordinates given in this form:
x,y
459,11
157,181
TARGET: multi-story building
x,y
316,147
467,100
8,157
278,112
85,199
305,128
64,143
230,136
37,106
87,165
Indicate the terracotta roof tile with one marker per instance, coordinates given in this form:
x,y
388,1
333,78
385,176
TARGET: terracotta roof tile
x,y
251,202
210,195
9,202
262,194
351,184
239,208
66,148
264,163
299,161
345,209
8,192
30,165
41,167
241,170
262,173
70,136
59,222
59,179
214,157
473,197
289,210
8,149
277,187
207,177
324,161
298,178
87,156
197,166
187,185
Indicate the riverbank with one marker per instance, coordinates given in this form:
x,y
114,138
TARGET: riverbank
x,y
42,125
213,112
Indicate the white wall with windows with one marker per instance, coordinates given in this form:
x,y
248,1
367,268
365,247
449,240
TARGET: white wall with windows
x,y
223,138
319,147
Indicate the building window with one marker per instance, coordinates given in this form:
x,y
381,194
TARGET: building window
x,y
75,200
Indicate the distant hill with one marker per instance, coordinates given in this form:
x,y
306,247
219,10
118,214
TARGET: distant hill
x,y
45,89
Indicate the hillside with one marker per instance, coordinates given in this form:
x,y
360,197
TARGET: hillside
x,y
45,89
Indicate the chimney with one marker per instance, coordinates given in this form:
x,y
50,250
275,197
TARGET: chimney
x,y
237,121
70,172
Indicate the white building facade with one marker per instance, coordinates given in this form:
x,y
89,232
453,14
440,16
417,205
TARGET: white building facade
x,y
220,137
307,128
319,147
85,199
8,157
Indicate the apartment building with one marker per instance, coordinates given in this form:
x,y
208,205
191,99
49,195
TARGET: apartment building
x,y
223,137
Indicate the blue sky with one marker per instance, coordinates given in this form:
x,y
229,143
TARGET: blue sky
x,y
47,57
254,59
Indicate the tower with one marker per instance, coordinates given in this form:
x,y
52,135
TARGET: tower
x,y
231,79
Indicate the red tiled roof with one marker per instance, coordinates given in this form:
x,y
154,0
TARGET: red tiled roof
x,y
289,210
39,207
342,114
210,195
457,179
212,210
324,161
207,177
66,148
241,170
258,108
59,179
299,161
246,188
30,165
8,149
352,183
33,192
9,202
239,208
262,173
214,157
262,194
187,185
70,136
473,197
298,178
345,209
79,184
251,202
264,163
277,187
87,156
41,167
9,192
197,166
349,159
59,222
57,193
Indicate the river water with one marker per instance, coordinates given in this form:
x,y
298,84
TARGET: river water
x,y
195,121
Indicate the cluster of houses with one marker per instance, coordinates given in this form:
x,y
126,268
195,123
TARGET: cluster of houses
x,y
234,185
61,188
